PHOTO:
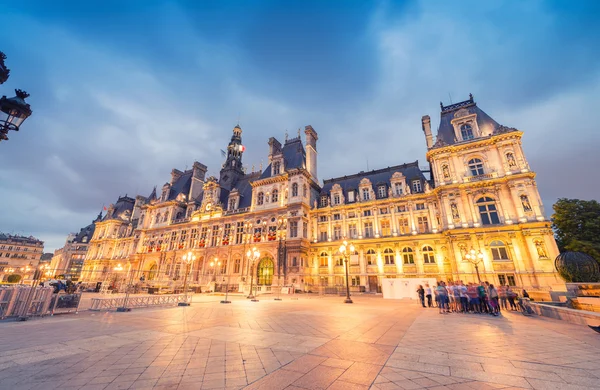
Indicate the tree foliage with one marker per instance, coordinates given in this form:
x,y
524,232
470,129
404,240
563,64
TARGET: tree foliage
x,y
13,278
576,225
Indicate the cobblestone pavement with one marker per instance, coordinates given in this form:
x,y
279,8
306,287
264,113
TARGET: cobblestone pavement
x,y
308,343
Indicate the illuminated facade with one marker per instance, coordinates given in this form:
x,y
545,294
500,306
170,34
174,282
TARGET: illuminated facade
x,y
19,255
479,196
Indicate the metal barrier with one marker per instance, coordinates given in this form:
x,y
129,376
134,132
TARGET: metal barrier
x,y
21,300
138,301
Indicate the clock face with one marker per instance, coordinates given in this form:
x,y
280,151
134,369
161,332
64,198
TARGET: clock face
x,y
208,205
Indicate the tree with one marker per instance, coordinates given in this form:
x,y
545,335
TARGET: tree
x,y
576,225
13,278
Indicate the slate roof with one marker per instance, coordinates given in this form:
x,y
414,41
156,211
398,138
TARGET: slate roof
x,y
123,204
294,156
87,231
446,135
181,185
245,190
411,171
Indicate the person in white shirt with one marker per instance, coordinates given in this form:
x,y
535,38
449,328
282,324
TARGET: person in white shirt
x,y
428,295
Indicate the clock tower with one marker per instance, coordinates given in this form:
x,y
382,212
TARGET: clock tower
x,y
232,169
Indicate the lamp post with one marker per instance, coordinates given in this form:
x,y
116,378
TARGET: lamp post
x,y
474,257
228,264
216,263
253,255
13,111
281,225
346,250
24,270
189,260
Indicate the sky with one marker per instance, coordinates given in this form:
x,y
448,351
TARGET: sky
x,y
122,92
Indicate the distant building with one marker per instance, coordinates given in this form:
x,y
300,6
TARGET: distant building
x,y
474,212
68,260
46,257
19,255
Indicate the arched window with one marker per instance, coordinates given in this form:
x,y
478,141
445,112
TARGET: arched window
x,y
157,218
323,260
487,211
370,257
476,166
295,189
499,251
365,194
408,256
388,256
275,196
260,199
466,132
428,255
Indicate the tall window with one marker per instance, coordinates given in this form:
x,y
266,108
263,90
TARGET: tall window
x,y
499,251
350,196
386,231
423,224
295,189
417,186
428,255
336,199
403,226
339,261
232,204
304,229
294,229
408,256
275,196
239,232
323,261
487,211
337,232
381,191
370,257
398,188
466,132
476,167
388,256
260,199
215,235
276,168
237,265
368,229
352,230
323,234
305,190
366,213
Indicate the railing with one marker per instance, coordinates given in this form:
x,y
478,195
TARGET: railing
x,y
21,300
237,211
484,176
138,301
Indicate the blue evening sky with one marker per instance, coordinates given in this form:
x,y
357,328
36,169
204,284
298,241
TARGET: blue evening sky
x,y
124,91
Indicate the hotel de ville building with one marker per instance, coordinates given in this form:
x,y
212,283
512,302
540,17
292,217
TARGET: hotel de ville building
x,y
475,213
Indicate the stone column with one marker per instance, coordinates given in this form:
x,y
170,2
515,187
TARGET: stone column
x,y
394,224
413,227
376,222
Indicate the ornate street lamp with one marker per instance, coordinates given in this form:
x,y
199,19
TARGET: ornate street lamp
x,y
13,112
119,268
281,226
215,264
346,250
189,260
253,255
475,257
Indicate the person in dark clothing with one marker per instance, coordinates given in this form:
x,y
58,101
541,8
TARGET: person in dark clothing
x,y
421,293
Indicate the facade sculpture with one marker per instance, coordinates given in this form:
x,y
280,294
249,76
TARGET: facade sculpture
x,y
404,222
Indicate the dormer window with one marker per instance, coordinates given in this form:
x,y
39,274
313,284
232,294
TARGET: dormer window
x,y
350,196
398,188
466,132
323,201
276,168
231,204
336,199
416,184
381,191
365,194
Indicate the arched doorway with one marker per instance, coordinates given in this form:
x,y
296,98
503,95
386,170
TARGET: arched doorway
x,y
152,272
265,272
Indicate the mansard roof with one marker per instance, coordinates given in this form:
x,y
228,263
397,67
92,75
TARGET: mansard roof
x,y
446,134
87,231
181,185
410,171
124,203
294,156
244,189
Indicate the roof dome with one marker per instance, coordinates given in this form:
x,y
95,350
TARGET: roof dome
x,y
577,267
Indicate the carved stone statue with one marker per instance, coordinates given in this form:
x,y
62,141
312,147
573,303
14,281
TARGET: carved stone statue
x,y
427,187
510,158
315,204
390,193
407,190
446,172
525,203
454,208
539,246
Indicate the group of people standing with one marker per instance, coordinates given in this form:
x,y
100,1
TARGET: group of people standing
x,y
457,297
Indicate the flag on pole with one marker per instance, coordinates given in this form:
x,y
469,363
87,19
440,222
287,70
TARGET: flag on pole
x,y
223,153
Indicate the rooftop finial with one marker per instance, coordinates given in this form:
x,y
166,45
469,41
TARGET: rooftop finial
x,y
471,97
442,106
286,135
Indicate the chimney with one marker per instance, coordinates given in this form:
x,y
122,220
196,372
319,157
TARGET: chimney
x,y
274,147
199,170
175,174
426,124
311,151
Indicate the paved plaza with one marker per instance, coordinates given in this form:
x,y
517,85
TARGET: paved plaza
x,y
304,343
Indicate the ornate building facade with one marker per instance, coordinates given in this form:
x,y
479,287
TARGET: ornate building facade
x,y
19,255
475,213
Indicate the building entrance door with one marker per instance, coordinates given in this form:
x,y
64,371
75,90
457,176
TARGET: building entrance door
x,y
373,283
265,272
